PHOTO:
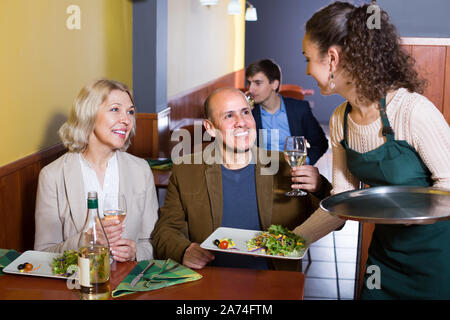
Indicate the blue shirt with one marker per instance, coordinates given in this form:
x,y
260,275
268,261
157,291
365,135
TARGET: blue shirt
x,y
240,210
276,123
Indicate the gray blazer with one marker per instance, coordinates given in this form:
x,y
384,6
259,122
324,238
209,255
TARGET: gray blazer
x,y
61,206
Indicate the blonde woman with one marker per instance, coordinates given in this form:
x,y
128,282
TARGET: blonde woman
x,y
97,133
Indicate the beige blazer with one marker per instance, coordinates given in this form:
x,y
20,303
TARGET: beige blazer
x,y
61,206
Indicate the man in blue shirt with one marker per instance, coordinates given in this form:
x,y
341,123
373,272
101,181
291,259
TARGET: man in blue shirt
x,y
280,117
229,184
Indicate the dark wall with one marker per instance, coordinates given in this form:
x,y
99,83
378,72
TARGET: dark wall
x,y
278,35
150,55
419,18
280,28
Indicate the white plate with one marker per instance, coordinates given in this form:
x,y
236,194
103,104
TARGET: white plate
x,y
36,258
240,238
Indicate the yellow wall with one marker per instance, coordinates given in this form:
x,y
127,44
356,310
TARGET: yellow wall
x,y
204,43
43,65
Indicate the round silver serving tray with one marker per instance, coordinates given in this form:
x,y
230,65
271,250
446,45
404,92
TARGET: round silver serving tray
x,y
391,205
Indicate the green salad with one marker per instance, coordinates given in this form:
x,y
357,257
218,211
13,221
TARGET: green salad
x,y
277,241
65,265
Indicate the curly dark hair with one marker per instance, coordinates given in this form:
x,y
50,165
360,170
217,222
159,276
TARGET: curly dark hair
x,y
373,57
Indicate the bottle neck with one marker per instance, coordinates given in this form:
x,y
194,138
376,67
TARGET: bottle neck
x,y
94,229
92,214
93,203
93,208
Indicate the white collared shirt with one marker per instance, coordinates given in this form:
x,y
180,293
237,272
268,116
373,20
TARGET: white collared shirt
x,y
110,181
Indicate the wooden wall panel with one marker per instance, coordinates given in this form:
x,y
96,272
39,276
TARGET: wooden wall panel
x,y
446,106
28,189
407,48
144,141
188,106
430,62
163,132
152,135
18,186
10,208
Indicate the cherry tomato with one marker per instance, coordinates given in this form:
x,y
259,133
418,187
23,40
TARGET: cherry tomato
x,y
223,244
28,267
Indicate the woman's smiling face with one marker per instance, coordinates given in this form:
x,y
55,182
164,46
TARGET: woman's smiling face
x,y
318,66
114,122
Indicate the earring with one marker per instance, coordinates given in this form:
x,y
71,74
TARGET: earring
x,y
332,84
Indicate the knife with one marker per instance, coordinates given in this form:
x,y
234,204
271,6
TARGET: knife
x,y
139,276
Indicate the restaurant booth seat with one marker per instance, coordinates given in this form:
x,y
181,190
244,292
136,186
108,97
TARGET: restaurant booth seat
x,y
18,188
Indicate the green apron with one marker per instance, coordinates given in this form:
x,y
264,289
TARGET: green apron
x,y
414,260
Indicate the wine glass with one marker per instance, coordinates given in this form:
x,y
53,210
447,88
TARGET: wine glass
x,y
250,100
295,150
114,207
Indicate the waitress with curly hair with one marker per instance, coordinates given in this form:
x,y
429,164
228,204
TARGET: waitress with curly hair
x,y
386,133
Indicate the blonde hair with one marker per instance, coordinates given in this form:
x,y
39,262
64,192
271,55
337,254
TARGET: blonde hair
x,y
75,132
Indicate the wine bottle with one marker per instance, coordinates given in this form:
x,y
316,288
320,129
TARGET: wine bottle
x,y
93,255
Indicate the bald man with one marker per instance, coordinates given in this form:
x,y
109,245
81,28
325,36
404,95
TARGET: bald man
x,y
230,188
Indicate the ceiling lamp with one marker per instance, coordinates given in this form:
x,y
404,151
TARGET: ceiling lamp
x,y
234,7
208,2
250,13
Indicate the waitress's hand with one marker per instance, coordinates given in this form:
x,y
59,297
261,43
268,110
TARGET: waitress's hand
x,y
124,250
307,178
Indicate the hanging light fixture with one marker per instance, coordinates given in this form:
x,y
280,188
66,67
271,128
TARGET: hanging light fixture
x,y
208,2
250,13
234,7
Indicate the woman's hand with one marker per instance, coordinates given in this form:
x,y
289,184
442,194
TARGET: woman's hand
x,y
121,249
124,250
113,229
307,178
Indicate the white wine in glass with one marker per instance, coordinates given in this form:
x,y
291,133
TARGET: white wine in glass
x,y
114,207
295,151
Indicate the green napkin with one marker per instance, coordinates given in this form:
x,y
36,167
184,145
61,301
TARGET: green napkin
x,y
163,273
6,257
165,164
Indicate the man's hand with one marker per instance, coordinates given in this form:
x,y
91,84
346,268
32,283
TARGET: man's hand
x,y
196,257
307,178
124,250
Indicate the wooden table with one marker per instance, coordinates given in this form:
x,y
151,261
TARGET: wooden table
x,y
217,284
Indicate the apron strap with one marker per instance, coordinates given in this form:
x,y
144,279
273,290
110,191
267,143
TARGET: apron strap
x,y
348,108
387,130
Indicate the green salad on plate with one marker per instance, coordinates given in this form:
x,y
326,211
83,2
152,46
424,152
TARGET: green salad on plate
x,y
66,264
277,241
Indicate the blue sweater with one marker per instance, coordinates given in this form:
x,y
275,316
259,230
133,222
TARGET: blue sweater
x,y
240,210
